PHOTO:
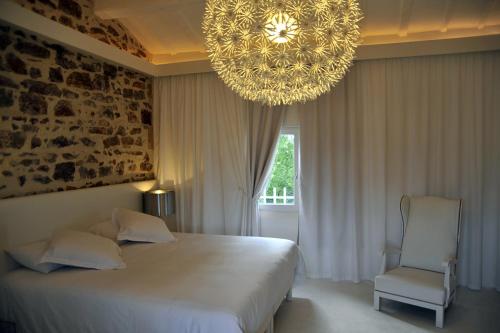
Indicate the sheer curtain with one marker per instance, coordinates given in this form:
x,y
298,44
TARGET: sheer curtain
x,y
422,126
204,140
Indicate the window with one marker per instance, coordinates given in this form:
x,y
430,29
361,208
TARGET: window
x,y
281,188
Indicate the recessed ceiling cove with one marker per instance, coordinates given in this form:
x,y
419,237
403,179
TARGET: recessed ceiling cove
x,y
171,30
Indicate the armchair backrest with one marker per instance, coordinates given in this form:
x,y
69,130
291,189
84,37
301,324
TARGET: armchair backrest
x,y
431,231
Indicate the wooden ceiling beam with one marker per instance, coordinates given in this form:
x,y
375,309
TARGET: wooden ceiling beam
x,y
485,13
405,9
116,9
448,11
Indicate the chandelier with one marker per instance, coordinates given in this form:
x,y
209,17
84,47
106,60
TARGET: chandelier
x,y
281,51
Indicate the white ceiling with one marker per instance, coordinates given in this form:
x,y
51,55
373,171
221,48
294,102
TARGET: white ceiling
x,y
171,29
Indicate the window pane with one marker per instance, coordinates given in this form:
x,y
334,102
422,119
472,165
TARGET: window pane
x,y
281,187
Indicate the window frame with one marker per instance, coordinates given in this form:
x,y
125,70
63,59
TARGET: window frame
x,y
290,130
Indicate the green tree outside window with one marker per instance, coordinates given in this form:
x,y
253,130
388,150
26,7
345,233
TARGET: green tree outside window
x,y
283,172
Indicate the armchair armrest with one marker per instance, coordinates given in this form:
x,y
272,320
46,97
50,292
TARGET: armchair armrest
x,y
448,262
388,250
449,276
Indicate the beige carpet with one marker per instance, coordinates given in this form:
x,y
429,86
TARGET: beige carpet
x,y
325,306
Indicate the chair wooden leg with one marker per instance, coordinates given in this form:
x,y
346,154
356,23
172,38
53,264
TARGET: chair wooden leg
x,y
376,301
440,318
270,327
450,302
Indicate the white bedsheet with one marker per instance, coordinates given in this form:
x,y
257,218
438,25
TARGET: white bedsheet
x,y
200,283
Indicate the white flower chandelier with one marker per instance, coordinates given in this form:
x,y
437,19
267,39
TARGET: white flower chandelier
x,y
281,51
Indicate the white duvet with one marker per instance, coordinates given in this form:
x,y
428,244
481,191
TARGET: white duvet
x,y
200,283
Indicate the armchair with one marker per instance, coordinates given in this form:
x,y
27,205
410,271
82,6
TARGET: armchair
x,y
426,275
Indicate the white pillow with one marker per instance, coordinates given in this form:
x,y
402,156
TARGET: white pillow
x,y
106,229
83,249
138,227
29,255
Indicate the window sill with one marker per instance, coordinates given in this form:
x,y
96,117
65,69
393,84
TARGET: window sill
x,y
279,208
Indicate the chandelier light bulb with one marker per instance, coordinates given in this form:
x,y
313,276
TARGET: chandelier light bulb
x,y
281,51
281,28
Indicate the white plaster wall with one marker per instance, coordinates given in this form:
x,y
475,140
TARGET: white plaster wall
x,y
279,224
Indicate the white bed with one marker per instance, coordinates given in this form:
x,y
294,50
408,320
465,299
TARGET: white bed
x,y
200,283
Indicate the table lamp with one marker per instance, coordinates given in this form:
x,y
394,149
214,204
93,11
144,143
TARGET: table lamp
x,y
159,202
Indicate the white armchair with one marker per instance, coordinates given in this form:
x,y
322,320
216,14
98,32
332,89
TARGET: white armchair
x,y
427,258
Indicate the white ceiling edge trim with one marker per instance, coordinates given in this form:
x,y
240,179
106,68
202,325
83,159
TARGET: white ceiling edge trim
x,y
14,14
24,18
429,47
188,67
367,52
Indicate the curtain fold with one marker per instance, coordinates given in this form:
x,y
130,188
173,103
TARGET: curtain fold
x,y
264,129
421,126
206,139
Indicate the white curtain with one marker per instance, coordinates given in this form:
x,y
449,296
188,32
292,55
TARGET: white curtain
x,y
422,126
263,130
202,140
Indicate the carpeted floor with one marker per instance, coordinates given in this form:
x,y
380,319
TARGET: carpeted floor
x,y
341,307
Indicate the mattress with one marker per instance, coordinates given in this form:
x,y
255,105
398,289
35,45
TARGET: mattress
x,y
199,283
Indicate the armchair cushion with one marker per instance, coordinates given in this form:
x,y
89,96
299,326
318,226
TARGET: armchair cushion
x,y
431,233
413,283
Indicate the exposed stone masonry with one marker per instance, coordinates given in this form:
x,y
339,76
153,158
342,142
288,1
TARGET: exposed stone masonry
x,y
79,15
68,120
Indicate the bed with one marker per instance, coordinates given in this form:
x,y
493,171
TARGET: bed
x,y
199,283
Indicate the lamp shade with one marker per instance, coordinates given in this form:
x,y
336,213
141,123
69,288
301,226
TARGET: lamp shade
x,y
159,202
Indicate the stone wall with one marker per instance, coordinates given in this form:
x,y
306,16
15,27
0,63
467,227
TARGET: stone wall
x,y
80,16
69,120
